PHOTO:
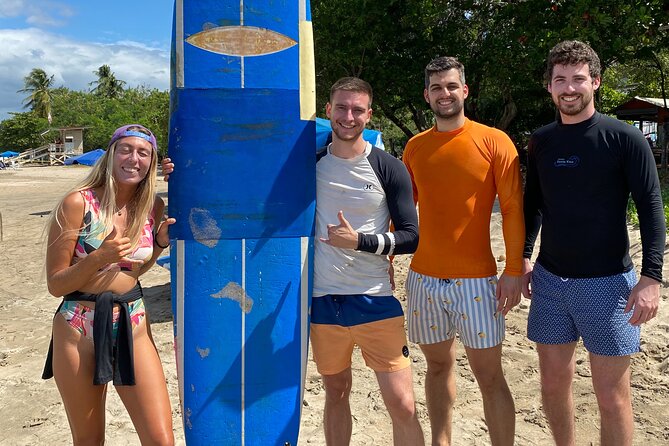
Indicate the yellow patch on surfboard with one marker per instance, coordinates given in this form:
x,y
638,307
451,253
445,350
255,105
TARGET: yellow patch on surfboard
x,y
241,41
307,73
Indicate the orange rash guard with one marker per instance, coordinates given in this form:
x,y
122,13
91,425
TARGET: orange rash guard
x,y
455,177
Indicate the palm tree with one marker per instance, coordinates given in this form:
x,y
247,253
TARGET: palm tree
x,y
107,85
38,86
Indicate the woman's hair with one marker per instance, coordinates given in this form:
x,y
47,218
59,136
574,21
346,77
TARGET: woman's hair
x,y
101,176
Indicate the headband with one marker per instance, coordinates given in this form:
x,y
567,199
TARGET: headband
x,y
123,132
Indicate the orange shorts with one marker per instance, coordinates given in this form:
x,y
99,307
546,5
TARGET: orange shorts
x,y
383,344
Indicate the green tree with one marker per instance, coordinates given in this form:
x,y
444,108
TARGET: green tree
x,y
38,86
101,115
645,77
107,85
503,45
387,43
21,131
642,77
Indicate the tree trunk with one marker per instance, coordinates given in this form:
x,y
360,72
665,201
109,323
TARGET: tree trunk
x,y
509,113
390,114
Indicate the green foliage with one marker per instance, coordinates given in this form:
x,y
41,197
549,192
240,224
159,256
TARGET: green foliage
x,y
99,114
387,43
642,77
21,131
393,138
38,86
502,44
107,85
633,217
610,97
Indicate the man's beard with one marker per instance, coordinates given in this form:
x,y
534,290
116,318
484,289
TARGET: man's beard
x,y
573,108
346,137
454,110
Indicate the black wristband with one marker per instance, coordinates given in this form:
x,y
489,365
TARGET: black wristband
x,y
155,242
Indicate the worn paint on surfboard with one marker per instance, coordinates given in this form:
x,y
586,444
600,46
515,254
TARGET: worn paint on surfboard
x,y
242,138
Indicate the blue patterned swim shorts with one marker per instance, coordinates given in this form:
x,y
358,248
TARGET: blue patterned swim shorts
x,y
564,309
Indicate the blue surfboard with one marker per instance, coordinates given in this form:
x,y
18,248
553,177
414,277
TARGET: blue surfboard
x,y
242,138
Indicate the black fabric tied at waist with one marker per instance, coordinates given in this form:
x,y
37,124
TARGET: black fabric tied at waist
x,y
112,361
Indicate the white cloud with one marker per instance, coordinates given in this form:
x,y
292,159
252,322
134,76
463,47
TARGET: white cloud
x,y
72,63
37,12
12,8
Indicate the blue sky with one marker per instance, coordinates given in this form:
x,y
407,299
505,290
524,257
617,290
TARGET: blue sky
x,y
72,38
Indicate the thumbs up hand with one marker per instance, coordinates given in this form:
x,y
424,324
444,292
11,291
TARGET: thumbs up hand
x,y
341,235
115,248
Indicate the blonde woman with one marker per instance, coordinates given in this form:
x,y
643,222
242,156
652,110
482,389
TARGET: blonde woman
x,y
102,237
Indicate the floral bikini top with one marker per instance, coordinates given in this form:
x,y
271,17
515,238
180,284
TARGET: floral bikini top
x,y
93,234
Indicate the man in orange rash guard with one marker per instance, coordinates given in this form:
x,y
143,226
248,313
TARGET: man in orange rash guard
x,y
457,168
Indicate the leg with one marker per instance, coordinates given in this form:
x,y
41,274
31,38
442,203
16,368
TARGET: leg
x,y
440,389
332,346
552,326
397,391
429,317
481,329
73,368
337,415
610,339
557,365
147,401
611,380
500,415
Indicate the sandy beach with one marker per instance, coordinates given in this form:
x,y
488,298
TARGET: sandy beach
x,y
31,411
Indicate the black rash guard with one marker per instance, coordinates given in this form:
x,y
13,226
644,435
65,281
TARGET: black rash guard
x,y
579,179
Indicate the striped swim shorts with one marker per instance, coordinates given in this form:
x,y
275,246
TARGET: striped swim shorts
x,y
438,309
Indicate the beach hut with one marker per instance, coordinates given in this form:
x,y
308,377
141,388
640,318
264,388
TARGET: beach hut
x,y
651,116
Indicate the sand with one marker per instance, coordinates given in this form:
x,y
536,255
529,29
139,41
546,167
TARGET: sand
x,y
31,412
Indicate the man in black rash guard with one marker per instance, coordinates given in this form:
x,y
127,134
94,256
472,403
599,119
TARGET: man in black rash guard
x,y
581,171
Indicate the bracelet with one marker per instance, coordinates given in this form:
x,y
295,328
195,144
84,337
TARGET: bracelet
x,y
155,242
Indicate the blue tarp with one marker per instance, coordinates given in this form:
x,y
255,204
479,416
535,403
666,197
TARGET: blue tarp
x,y
164,261
323,130
8,154
87,159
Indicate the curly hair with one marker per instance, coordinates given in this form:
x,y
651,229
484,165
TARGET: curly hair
x,y
573,52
